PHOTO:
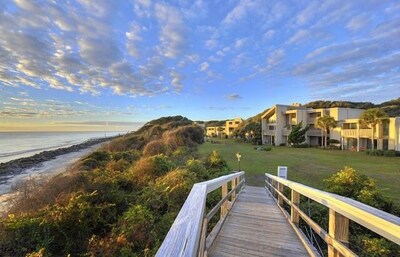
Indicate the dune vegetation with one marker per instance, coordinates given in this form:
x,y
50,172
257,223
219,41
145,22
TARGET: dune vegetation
x,y
119,201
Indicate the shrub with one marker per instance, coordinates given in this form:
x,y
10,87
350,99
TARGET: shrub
x,y
129,156
300,146
390,153
198,168
333,141
282,144
148,168
155,147
136,225
379,152
215,160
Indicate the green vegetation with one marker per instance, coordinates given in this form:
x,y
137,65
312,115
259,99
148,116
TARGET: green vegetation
x,y
371,118
119,201
298,134
326,123
309,165
350,183
392,107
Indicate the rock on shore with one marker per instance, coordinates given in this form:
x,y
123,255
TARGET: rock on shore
x,y
18,165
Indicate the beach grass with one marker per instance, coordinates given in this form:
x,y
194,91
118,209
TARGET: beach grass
x,y
309,166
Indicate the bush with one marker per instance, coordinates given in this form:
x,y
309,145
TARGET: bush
x,y
282,144
301,146
333,141
155,147
148,168
386,153
390,153
129,156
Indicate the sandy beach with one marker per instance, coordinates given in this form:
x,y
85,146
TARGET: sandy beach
x,y
40,173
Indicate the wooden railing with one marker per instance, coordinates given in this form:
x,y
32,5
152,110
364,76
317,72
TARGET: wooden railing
x,y
349,133
341,210
188,234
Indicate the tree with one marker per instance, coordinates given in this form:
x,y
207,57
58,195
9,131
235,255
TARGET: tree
x,y
220,130
298,134
326,123
371,118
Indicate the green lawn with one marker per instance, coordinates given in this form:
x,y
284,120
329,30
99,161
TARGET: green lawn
x,y
308,165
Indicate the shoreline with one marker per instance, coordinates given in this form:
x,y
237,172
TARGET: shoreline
x,y
17,166
39,169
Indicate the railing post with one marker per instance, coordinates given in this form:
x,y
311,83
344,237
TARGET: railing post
x,y
339,230
224,206
280,199
294,215
234,192
202,246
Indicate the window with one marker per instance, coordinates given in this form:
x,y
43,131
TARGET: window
x,y
385,129
271,127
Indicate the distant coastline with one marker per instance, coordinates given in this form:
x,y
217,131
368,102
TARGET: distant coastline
x,y
18,165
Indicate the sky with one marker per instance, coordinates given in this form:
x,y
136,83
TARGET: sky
x,y
109,64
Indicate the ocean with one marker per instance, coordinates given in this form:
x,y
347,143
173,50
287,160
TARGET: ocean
x,y
15,145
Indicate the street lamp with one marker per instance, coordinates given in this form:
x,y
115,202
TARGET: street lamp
x,y
238,156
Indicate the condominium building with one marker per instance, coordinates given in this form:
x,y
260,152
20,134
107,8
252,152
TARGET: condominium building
x,y
215,131
278,121
230,125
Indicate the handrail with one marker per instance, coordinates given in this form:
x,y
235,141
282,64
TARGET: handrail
x,y
187,235
341,210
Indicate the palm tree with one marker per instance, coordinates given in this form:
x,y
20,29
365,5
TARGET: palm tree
x,y
220,130
325,123
371,118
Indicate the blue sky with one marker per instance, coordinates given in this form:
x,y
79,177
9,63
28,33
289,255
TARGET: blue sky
x,y
73,65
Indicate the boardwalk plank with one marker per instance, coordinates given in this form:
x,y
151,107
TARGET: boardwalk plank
x,y
256,227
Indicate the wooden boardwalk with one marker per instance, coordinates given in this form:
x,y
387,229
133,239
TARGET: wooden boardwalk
x,y
256,227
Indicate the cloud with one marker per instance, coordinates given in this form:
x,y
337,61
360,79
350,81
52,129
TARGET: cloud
x,y
234,97
176,80
356,23
211,44
240,11
101,53
276,57
204,66
172,36
240,42
299,36
100,123
132,37
269,34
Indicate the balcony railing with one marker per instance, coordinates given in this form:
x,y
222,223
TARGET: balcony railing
x,y
314,132
269,132
365,133
349,133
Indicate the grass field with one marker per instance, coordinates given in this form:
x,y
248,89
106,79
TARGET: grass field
x,y
308,166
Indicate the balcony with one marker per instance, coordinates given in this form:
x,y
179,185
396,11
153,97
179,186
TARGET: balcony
x,y
269,132
314,132
367,133
286,132
349,133
311,120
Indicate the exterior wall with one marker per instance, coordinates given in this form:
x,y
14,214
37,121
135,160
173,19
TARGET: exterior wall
x,y
394,133
230,125
214,131
352,137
